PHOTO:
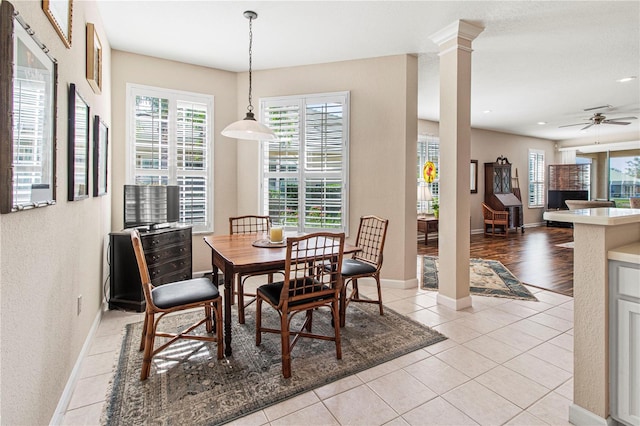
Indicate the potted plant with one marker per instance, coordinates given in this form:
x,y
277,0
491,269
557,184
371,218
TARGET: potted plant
x,y
436,207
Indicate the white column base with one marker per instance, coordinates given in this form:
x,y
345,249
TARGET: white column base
x,y
582,417
455,304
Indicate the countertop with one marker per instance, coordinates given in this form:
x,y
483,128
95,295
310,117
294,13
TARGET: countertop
x,y
606,216
629,253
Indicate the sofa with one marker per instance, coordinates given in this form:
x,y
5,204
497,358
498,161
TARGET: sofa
x,y
588,204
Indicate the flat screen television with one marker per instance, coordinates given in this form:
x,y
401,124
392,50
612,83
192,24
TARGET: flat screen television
x,y
556,198
152,206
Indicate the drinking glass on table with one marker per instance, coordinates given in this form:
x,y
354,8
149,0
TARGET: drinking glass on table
x,y
276,232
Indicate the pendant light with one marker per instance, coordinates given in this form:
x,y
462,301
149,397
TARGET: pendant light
x,y
249,128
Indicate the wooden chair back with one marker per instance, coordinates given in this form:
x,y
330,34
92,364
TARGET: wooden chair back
x,y
305,279
249,224
372,234
145,279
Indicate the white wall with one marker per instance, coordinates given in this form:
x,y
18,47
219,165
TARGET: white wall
x,y
52,255
383,134
132,68
488,145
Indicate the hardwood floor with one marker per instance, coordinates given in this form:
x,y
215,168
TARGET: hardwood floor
x,y
533,257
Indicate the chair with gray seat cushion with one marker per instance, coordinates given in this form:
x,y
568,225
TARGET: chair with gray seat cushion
x,y
173,297
634,202
366,263
306,288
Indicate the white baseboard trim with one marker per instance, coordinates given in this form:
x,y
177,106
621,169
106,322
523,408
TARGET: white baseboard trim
x,y
385,283
67,393
582,417
455,304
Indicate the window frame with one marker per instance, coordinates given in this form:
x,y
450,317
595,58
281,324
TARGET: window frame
x,y
431,150
302,100
172,171
539,183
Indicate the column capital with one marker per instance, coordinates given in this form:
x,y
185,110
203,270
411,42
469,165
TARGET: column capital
x,y
458,29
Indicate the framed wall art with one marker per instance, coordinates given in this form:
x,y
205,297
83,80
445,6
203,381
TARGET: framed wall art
x,y
60,14
28,78
78,160
94,59
100,154
474,176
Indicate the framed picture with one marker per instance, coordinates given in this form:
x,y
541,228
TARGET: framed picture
x,y
28,78
60,13
94,59
474,176
78,159
100,153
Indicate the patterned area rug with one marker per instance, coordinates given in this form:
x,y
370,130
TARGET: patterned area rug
x,y
488,278
189,386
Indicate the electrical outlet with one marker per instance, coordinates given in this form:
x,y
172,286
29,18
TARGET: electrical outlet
x,y
79,304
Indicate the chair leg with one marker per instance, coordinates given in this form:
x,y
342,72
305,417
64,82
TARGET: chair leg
x,y
208,322
377,277
336,317
309,321
258,321
148,347
286,348
144,331
343,304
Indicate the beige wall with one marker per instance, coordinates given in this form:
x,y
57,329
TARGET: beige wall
x,y
486,146
52,255
383,93
145,70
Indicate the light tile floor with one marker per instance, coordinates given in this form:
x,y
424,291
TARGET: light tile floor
x,y
505,362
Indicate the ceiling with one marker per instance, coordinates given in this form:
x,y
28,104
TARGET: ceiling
x,y
535,61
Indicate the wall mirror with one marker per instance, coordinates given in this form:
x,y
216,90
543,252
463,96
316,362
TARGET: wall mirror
x,y
28,77
78,159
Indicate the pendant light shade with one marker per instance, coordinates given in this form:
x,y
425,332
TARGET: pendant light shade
x,y
249,128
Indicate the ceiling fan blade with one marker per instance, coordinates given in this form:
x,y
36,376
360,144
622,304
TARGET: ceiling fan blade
x,y
577,124
598,107
623,118
586,127
623,123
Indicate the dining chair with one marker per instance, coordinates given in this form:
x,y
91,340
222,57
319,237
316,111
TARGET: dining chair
x,y
634,202
173,297
248,224
365,263
306,288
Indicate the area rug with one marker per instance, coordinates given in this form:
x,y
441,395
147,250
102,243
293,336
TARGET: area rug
x,y
189,386
570,244
487,278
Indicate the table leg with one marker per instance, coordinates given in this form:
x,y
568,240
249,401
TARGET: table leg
x,y
228,297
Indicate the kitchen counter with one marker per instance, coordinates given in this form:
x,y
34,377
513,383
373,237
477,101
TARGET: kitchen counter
x,y
596,216
629,253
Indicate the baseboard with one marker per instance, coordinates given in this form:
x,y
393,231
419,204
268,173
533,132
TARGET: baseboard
x,y
385,283
455,304
67,393
582,417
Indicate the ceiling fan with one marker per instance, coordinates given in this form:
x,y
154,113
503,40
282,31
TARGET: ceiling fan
x,y
599,118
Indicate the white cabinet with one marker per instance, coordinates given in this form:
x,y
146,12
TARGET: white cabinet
x,y
624,331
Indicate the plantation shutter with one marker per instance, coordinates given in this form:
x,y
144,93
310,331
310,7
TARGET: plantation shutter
x,y
536,178
171,139
304,171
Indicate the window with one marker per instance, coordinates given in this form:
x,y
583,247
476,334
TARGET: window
x,y
429,150
624,177
536,178
169,143
304,172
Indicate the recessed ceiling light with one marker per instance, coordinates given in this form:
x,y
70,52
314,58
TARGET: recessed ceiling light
x,y
542,123
626,79
487,111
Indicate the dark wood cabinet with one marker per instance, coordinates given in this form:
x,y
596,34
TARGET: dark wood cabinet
x,y
169,259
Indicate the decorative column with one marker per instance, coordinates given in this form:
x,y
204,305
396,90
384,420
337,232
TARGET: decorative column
x,y
455,156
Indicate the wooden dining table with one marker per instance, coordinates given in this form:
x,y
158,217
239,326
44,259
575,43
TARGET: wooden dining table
x,y
233,254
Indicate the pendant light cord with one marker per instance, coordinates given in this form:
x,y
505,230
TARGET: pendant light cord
x,y
250,107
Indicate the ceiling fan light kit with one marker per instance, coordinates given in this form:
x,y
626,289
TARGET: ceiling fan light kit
x,y
249,128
